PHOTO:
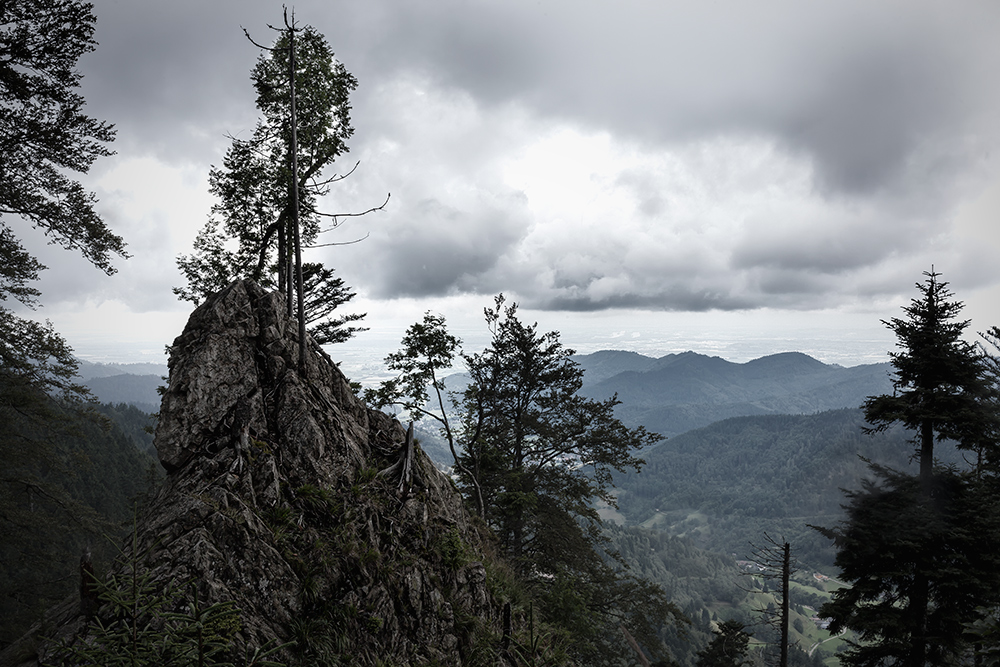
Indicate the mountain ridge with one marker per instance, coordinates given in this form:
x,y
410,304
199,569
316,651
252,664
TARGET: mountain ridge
x,y
679,392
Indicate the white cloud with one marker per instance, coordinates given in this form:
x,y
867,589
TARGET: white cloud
x,y
641,157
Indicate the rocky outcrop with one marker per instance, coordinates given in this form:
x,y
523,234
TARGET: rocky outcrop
x,y
281,497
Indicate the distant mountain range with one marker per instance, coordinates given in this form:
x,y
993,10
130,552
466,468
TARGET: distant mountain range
x,y
680,392
89,369
732,468
669,395
134,384
677,393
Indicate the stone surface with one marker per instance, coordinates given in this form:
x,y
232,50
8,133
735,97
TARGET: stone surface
x,y
274,500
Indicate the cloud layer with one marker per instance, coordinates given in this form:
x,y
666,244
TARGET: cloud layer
x,y
585,155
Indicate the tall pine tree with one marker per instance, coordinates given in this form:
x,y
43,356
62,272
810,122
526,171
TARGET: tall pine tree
x,y
939,379
249,232
533,457
917,550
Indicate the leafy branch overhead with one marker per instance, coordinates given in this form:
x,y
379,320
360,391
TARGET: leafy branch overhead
x,y
44,136
44,133
46,139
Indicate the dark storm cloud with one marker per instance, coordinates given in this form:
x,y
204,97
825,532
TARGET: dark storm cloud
x,y
821,242
861,88
864,89
174,77
675,298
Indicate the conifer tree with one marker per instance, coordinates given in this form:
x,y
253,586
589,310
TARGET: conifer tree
x,y
533,456
728,648
916,551
940,387
919,570
249,231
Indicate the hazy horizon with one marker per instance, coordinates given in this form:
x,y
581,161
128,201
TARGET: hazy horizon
x,y
361,358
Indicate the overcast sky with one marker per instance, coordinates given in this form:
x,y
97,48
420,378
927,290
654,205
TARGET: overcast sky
x,y
649,175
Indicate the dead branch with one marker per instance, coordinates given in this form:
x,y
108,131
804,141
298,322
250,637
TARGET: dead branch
x,y
354,215
326,245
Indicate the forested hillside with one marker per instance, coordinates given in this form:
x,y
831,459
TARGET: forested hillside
x,y
137,390
714,588
69,484
89,369
727,484
136,424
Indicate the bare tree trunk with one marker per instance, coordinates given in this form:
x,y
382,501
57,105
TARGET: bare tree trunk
x,y
295,203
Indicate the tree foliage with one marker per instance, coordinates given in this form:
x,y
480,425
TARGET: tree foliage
x,y
324,294
939,379
728,648
43,134
248,233
45,137
533,456
139,622
919,567
428,351
540,451
69,477
918,551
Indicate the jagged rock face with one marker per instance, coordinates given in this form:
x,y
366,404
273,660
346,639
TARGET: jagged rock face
x,y
274,500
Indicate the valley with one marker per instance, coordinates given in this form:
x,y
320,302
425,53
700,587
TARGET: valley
x,y
753,449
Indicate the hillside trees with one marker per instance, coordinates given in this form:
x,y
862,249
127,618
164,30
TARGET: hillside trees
x,y
540,451
428,351
44,134
45,137
250,232
533,456
919,569
917,551
728,648
68,481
